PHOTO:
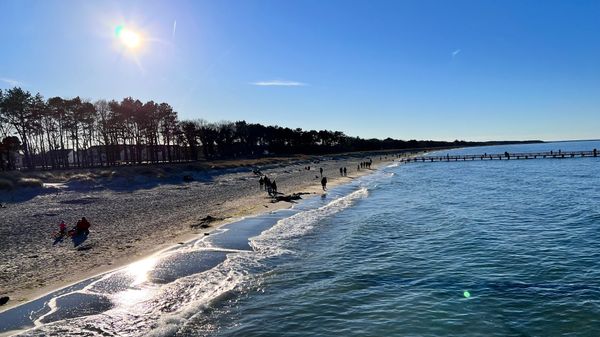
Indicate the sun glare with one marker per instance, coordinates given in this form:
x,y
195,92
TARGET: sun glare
x,y
129,38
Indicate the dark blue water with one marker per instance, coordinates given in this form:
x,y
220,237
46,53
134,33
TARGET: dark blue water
x,y
482,248
521,237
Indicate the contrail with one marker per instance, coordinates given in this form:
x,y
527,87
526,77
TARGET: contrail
x,y
279,83
174,27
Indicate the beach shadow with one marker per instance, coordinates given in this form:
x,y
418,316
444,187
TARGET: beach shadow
x,y
81,201
23,194
183,179
86,247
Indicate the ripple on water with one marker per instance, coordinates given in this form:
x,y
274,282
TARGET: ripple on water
x,y
520,236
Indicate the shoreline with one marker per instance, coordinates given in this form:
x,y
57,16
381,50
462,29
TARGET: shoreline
x,y
250,205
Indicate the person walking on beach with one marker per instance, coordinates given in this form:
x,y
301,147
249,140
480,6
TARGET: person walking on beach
x,y
345,172
274,187
321,170
341,172
261,182
358,167
324,183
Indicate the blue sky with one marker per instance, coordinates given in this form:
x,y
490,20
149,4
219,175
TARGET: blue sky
x,y
473,70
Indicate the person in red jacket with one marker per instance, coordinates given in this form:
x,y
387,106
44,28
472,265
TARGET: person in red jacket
x,y
62,228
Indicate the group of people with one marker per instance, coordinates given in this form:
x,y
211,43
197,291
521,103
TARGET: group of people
x,y
82,227
271,187
366,164
268,185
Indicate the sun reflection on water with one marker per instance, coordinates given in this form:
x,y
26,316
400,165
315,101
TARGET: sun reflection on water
x,y
139,270
139,289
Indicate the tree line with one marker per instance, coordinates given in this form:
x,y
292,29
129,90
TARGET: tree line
x,y
62,133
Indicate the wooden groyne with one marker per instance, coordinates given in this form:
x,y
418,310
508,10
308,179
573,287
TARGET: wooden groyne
x,y
501,156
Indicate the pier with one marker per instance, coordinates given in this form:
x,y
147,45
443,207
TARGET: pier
x,y
501,156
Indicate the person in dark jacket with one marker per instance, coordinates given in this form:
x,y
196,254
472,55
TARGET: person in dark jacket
x,y
83,226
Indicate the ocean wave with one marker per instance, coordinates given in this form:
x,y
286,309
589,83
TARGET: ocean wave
x,y
129,302
271,241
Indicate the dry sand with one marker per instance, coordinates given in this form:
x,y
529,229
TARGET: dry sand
x,y
132,218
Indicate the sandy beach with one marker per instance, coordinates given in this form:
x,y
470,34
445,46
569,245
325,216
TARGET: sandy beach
x,y
134,217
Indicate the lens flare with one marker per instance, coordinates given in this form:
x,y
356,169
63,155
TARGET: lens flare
x,y
118,30
467,294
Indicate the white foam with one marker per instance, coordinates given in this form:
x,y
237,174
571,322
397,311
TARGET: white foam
x,y
269,243
161,310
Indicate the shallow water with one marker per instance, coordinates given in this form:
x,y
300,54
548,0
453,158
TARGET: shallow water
x,y
393,253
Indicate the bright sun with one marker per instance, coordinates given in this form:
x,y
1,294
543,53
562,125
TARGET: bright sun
x,y
128,38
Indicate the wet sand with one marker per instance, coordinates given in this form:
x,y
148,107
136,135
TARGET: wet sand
x,y
134,218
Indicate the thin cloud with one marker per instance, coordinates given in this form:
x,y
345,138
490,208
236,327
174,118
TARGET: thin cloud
x,y
174,28
456,52
11,82
279,83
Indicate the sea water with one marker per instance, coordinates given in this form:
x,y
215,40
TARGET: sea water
x,y
482,248
498,248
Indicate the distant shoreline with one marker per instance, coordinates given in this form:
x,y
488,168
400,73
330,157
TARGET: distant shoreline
x,y
28,180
